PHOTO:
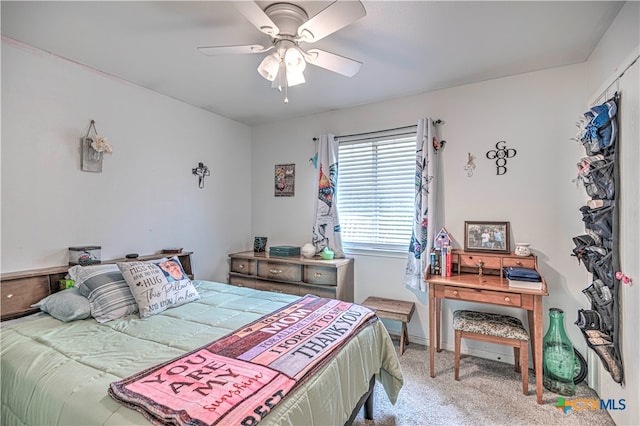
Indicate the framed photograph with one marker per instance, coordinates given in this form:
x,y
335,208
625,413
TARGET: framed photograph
x,y
285,180
486,236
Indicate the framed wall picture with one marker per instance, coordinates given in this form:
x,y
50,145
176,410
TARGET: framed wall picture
x,y
285,180
486,236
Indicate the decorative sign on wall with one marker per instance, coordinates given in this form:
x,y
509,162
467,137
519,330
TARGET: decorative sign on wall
x,y
501,154
285,180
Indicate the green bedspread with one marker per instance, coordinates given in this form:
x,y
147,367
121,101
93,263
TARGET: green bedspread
x,y
58,373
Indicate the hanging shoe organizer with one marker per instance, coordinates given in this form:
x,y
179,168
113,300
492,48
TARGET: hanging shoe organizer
x,y
597,249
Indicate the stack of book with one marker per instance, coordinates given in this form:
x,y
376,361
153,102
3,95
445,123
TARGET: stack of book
x,y
441,261
526,278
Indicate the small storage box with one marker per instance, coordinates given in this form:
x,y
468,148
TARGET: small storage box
x,y
284,251
84,255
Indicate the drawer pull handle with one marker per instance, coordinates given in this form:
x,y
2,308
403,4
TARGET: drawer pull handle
x,y
240,266
518,263
9,296
317,274
275,271
507,299
455,292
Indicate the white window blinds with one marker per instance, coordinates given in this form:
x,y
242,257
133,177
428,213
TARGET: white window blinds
x,y
376,187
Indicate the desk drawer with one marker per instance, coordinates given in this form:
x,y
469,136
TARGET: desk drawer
x,y
524,262
486,296
280,271
472,261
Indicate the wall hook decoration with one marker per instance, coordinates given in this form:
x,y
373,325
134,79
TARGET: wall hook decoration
x,y
500,154
93,148
622,277
470,166
201,171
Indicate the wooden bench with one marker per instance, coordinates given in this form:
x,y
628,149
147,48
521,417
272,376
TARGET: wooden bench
x,y
390,309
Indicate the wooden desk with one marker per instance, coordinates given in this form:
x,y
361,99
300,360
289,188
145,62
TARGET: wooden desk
x,y
489,289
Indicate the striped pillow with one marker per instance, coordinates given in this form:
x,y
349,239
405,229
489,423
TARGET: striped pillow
x,y
108,293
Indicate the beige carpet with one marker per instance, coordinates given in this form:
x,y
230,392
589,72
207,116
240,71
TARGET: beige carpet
x,y
488,393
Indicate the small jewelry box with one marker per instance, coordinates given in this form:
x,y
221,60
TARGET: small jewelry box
x,y
84,255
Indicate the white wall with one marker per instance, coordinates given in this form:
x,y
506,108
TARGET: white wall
x,y
617,49
146,197
534,113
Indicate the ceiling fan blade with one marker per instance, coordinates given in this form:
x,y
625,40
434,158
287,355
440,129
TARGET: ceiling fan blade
x,y
333,62
337,15
257,17
233,50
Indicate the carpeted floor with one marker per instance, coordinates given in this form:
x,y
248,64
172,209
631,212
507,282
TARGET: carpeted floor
x,y
488,393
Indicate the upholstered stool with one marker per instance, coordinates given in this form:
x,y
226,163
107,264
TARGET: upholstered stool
x,y
493,328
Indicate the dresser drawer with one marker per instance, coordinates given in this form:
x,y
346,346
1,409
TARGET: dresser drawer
x,y
473,261
328,292
18,295
278,287
242,281
523,262
243,266
486,296
320,275
280,271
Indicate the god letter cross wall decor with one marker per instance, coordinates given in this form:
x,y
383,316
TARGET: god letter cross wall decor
x,y
500,154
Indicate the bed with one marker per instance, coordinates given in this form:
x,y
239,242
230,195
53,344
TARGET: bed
x,y
56,372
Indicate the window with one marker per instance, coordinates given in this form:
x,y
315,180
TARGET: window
x,y
376,191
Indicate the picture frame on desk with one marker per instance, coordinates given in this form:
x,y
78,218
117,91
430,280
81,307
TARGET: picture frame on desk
x,y
482,236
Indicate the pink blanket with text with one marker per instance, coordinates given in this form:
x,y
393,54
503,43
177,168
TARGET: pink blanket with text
x,y
238,379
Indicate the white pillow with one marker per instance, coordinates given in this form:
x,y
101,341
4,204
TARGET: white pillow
x,y
66,305
159,285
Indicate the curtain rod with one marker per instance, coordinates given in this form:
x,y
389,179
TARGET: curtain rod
x,y
438,121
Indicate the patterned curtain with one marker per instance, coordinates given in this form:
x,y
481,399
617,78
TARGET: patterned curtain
x,y
326,226
423,233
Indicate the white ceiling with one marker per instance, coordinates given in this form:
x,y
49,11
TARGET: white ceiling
x,y
407,47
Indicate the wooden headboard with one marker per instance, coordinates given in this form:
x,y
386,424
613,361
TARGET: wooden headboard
x,y
20,290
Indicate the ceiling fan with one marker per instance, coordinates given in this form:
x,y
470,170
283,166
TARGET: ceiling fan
x,y
288,25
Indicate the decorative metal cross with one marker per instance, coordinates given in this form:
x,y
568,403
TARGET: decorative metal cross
x,y
201,171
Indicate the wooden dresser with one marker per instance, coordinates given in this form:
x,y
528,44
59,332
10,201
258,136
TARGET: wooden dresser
x,y
22,289
293,275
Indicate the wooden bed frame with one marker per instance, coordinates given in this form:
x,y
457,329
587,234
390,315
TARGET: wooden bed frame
x,y
22,289
19,290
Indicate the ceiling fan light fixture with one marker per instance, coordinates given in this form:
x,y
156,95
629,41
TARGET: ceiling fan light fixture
x,y
269,66
294,60
294,77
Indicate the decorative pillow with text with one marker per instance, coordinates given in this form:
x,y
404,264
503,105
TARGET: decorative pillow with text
x,y
158,285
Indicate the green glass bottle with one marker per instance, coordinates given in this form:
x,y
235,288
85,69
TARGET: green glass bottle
x,y
558,357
